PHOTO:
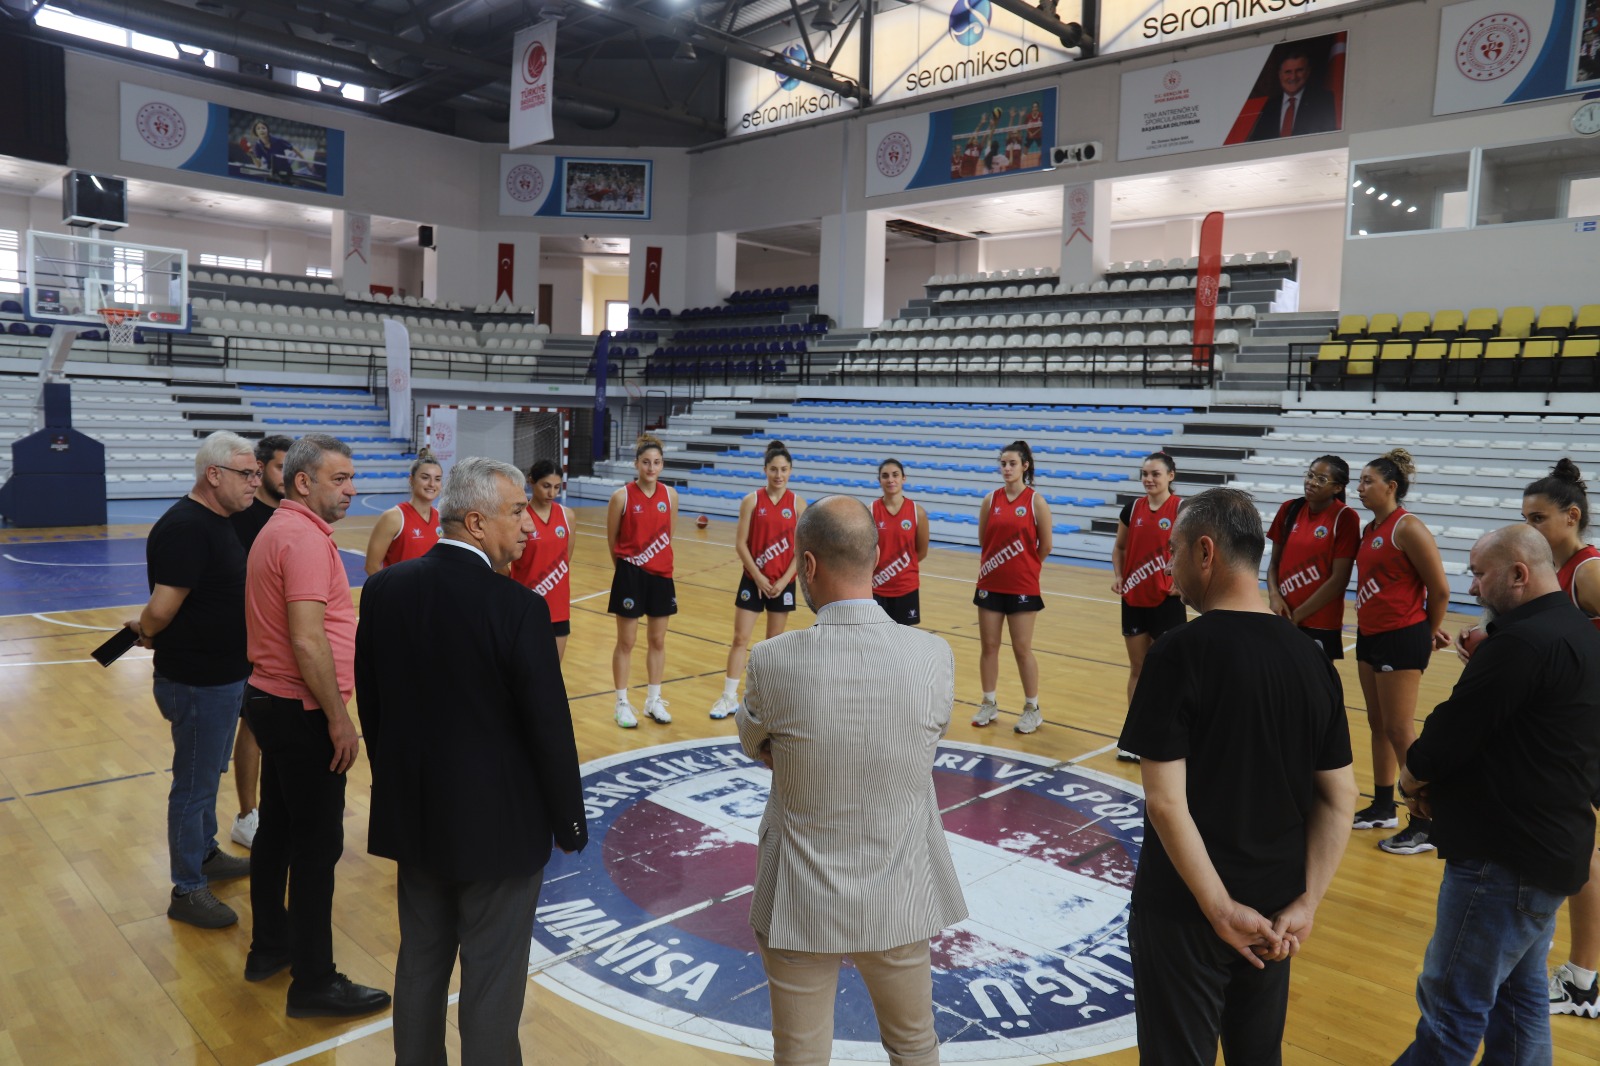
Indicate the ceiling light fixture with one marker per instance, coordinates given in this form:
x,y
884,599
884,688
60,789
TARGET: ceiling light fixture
x,y
824,19
1371,189
1383,196
1356,184
685,53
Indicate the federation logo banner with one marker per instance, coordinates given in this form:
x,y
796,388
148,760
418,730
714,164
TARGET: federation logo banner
x,y
397,359
1008,135
533,61
1497,52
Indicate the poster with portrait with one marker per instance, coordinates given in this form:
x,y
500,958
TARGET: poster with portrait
x,y
1267,93
605,188
1006,135
1511,51
277,151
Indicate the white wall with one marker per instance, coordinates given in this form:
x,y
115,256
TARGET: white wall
x,y
565,276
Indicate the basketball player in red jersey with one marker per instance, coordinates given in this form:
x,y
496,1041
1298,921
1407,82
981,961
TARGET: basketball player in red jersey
x,y
639,524
902,545
402,532
546,562
1139,567
1401,599
1014,537
765,545
1314,541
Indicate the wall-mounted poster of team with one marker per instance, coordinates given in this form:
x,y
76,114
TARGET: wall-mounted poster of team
x,y
1496,52
165,129
1009,135
760,98
1289,89
927,47
555,186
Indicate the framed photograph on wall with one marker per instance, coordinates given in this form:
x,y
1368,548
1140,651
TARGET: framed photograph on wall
x,y
605,188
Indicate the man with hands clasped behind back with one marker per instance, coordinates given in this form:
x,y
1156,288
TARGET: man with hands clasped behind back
x,y
1245,756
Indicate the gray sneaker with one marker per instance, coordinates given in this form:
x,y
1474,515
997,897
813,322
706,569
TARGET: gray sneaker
x,y
1030,719
201,908
224,867
988,711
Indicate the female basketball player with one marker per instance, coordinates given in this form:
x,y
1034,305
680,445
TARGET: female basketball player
x,y
765,545
546,562
1401,598
1014,537
1150,605
902,545
639,523
402,532
1314,541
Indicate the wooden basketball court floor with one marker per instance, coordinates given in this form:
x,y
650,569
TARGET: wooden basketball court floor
x,y
93,972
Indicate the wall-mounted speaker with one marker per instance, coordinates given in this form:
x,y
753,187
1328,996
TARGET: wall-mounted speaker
x,y
1076,154
425,237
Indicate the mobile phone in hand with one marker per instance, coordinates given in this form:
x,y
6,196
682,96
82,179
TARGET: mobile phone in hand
x,y
112,650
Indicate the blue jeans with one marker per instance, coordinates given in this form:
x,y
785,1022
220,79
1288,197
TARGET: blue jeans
x,y
1483,975
204,719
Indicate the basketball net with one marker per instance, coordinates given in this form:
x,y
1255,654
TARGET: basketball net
x,y
119,323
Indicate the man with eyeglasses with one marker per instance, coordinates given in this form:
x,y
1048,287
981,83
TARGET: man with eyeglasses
x,y
302,628
195,623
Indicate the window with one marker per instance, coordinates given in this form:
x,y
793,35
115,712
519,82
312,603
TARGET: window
x,y
1409,195
1537,182
127,267
53,18
315,84
231,262
616,315
319,272
10,262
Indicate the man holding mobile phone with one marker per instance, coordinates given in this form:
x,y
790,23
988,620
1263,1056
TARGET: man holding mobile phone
x,y
195,623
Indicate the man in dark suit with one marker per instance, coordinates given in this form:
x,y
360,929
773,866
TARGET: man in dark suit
x,y
474,766
1296,106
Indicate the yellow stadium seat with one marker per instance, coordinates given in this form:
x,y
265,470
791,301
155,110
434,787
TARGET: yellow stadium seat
x,y
1482,321
1578,366
1499,367
1554,320
1448,323
1461,368
1394,359
1382,325
1361,357
1588,320
1516,322
1415,324
1426,370
1351,326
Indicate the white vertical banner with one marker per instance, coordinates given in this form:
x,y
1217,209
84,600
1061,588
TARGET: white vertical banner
x,y
442,436
533,61
397,371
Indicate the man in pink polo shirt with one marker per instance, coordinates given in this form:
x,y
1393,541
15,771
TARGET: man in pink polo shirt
x,y
302,630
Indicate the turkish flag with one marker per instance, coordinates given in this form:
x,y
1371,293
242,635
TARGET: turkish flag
x,y
505,272
652,276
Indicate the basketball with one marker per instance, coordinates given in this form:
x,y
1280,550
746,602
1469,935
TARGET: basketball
x,y
702,522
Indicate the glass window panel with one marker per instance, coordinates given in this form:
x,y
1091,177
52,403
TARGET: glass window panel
x,y
1585,198
1408,195
1535,182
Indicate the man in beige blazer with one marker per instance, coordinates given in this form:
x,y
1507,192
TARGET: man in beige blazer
x,y
853,859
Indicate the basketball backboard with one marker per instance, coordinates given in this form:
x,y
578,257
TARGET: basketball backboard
x,y
74,279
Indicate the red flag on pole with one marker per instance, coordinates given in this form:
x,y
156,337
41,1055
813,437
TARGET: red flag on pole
x,y
505,272
1207,283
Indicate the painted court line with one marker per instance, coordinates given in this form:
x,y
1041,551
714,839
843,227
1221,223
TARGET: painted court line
x,y
76,625
591,596
33,562
86,784
70,662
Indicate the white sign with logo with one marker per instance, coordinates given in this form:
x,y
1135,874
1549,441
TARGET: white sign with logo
x,y
526,182
533,60
1509,51
397,367
761,98
1126,24
442,436
943,44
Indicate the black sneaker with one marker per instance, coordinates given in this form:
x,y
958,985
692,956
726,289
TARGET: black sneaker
x,y
1377,816
220,866
1412,840
1126,756
201,908
260,965
1567,998
339,997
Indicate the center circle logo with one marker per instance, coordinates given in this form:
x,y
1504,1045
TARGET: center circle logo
x,y
534,63
968,21
795,54
894,154
160,125
1493,47
649,925
525,183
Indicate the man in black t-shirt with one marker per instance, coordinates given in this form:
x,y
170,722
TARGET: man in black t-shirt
x,y
195,622
1240,725
269,453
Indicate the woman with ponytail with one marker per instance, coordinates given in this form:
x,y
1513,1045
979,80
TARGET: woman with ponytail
x,y
1314,541
902,545
1014,538
1139,567
765,546
639,523
545,565
1401,599
408,529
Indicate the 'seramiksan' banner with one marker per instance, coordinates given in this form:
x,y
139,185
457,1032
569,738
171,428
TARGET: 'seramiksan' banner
x,y
760,98
1006,135
1128,24
1497,52
942,44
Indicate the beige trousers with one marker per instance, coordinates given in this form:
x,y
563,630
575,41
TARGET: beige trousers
x,y
803,985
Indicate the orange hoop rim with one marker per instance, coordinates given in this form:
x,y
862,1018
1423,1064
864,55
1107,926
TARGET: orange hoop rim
x,y
114,316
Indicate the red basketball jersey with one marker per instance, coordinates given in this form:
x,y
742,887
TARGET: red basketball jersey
x,y
644,537
1390,594
1145,582
1010,548
771,540
1309,550
415,536
896,572
1568,575
543,566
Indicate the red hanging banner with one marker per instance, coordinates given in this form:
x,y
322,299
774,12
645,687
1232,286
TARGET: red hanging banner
x,y
652,276
1207,284
505,272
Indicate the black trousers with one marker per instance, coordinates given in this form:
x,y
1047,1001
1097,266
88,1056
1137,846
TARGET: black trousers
x,y
491,924
1191,988
300,838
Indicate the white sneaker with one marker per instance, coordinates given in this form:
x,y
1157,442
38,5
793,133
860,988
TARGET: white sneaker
x,y
624,714
988,711
1030,719
724,706
244,829
656,711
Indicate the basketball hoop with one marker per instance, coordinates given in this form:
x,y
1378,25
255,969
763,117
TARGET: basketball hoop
x,y
119,323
